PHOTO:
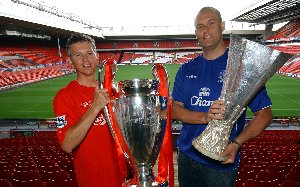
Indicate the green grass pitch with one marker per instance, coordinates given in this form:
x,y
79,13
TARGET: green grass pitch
x,y
34,101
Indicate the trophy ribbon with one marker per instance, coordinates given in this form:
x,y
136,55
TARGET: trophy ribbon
x,y
109,114
166,153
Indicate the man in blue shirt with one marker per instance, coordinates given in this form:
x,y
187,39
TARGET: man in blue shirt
x,y
197,87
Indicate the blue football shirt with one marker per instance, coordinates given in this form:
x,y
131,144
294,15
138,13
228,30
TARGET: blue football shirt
x,y
198,84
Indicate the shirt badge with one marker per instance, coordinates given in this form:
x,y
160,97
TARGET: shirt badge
x,y
61,121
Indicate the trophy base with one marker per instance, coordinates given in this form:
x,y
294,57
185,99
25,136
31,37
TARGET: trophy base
x,y
154,184
206,152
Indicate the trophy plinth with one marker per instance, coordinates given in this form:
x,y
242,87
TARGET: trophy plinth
x,y
249,66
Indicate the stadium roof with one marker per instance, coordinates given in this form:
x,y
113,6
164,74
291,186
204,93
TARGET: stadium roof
x,y
270,12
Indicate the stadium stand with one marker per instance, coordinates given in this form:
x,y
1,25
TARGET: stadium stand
x,y
289,30
286,39
148,44
271,159
35,161
29,63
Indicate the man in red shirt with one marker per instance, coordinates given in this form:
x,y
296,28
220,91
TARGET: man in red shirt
x,y
82,127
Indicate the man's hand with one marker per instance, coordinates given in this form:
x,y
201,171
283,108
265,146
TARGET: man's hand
x,y
230,153
101,98
215,111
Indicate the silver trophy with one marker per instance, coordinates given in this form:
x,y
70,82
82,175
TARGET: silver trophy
x,y
249,66
137,110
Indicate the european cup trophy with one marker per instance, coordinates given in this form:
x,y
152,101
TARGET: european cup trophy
x,y
249,66
140,129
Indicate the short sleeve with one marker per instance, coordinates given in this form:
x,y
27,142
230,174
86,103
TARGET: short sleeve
x,y
63,107
260,101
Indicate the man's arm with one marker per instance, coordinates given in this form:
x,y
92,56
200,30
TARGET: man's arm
x,y
180,113
259,123
77,132
262,119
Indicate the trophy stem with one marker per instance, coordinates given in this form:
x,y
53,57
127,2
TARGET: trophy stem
x,y
144,176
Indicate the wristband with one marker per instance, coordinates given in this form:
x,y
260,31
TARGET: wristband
x,y
235,142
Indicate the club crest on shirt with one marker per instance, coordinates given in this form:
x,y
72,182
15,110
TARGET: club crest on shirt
x,y
61,121
164,103
204,91
221,76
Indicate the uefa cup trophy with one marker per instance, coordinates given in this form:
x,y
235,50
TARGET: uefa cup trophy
x,y
141,129
249,66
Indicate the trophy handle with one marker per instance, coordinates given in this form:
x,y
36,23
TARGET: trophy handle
x,y
105,110
100,74
116,135
166,148
160,73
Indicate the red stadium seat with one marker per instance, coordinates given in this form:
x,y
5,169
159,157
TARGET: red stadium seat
x,y
297,165
45,163
50,169
254,183
34,183
293,175
7,175
67,183
246,174
5,183
259,166
26,176
239,182
55,176
288,160
6,168
270,176
25,167
281,168
289,183
66,165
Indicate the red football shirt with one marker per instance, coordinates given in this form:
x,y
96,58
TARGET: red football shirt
x,y
95,159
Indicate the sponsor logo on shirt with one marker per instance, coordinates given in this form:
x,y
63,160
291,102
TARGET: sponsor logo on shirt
x,y
191,76
61,121
200,100
100,120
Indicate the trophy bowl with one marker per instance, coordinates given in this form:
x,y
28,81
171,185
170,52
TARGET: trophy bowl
x,y
138,117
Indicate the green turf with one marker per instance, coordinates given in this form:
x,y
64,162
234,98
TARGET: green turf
x,y
35,100
285,94
31,101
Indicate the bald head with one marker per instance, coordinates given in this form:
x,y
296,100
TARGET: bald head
x,y
209,9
